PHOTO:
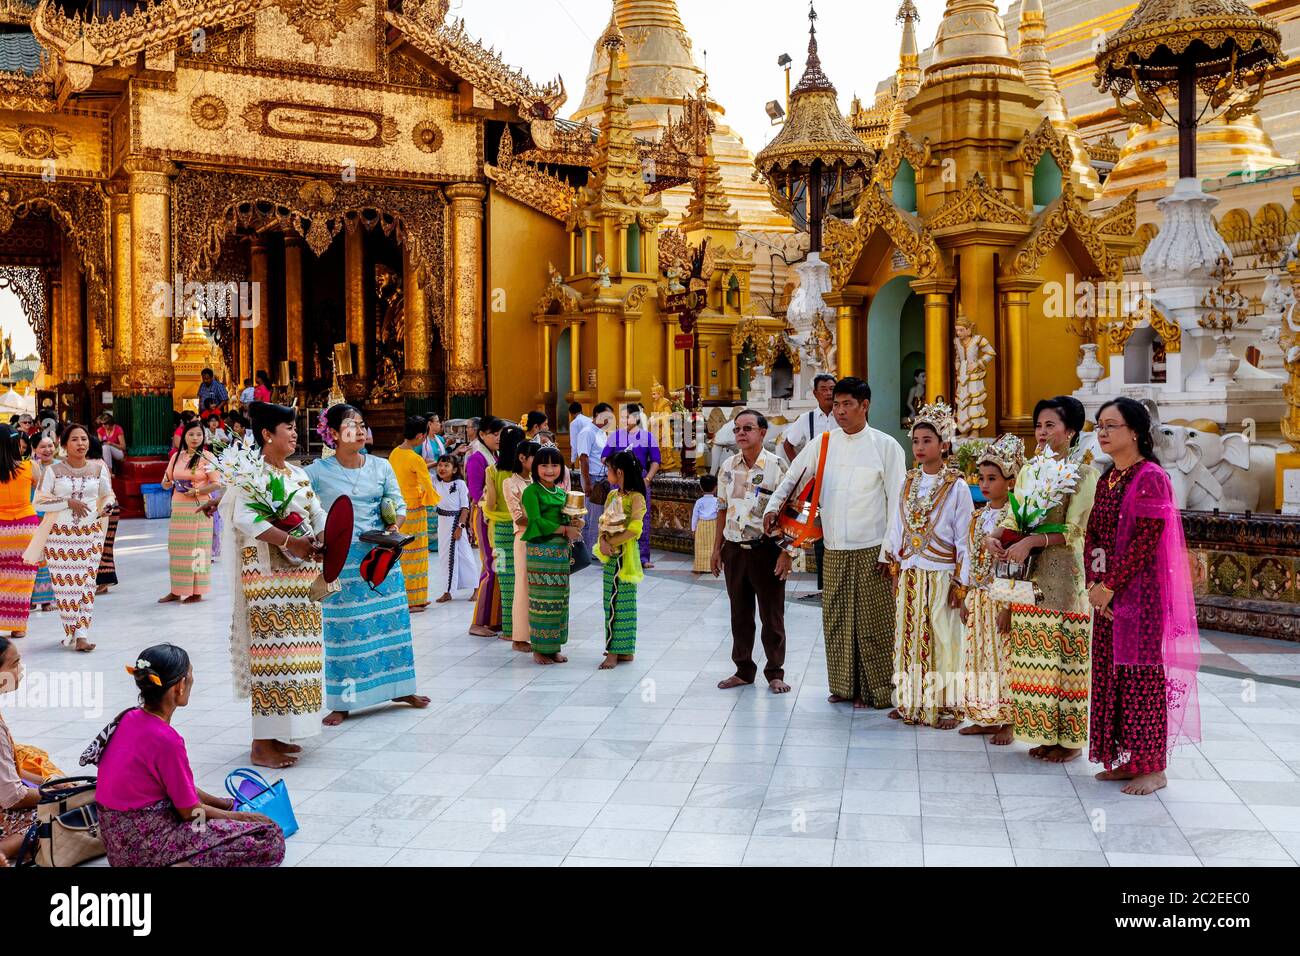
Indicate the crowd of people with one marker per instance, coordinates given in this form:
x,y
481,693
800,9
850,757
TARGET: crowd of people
x,y
915,616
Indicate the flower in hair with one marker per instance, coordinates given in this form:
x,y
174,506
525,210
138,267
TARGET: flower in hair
x,y
143,664
323,429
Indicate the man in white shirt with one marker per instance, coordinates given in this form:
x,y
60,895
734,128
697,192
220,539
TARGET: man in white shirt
x,y
804,429
860,492
578,423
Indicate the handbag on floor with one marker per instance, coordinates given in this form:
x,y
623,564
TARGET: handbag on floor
x,y
252,794
66,831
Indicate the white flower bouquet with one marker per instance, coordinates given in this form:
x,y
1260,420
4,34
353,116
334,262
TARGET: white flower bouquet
x,y
1042,485
268,498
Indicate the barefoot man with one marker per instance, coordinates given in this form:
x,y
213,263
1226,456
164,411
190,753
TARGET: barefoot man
x,y
750,556
861,485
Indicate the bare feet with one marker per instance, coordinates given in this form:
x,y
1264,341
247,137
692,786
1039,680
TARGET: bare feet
x,y
1117,774
417,608
1063,754
540,658
836,699
285,748
1004,737
444,599
18,635
609,663
559,658
520,646
83,645
169,598
976,730
1145,784
859,704
733,681
1041,752
647,565
480,631
193,599
102,589
895,714
778,686
334,718
264,753
623,658
948,723
503,636
418,701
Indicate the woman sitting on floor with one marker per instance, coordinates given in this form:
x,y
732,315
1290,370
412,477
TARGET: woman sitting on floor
x,y
151,813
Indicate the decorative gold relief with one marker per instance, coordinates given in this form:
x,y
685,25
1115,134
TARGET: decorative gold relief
x,y
320,21
427,136
977,202
528,184
320,124
1050,225
208,111
33,141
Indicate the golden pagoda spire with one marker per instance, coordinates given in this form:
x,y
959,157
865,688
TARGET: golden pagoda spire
x,y
1037,67
709,208
908,78
971,41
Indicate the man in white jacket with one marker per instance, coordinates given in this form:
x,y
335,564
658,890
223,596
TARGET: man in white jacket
x,y
860,489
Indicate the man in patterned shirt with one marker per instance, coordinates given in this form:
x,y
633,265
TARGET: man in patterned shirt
x,y
749,555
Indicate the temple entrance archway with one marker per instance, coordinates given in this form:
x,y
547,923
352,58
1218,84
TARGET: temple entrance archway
x,y
895,350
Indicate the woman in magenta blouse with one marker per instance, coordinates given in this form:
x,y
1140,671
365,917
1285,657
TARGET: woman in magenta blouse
x,y
149,805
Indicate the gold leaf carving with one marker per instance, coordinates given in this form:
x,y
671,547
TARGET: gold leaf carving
x,y
35,141
208,111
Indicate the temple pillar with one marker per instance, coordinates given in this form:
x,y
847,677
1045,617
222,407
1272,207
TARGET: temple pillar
x,y
1017,409
120,212
293,330
259,274
56,327
575,362
466,377
938,338
74,326
417,377
848,317
354,304
149,423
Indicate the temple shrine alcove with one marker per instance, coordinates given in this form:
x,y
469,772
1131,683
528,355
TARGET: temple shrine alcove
x,y
895,350
335,288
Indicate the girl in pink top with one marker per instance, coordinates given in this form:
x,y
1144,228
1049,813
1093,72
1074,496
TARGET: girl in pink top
x,y
148,802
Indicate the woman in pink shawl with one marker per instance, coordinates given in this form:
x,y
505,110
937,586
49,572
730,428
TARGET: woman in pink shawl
x,y
1145,645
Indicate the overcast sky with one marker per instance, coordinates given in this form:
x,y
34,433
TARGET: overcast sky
x,y
857,39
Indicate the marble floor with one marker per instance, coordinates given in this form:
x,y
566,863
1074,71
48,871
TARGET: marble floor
x,y
650,764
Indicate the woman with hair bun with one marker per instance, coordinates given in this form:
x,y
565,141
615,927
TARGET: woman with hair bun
x,y
150,812
75,494
277,654
369,657
1145,644
1049,641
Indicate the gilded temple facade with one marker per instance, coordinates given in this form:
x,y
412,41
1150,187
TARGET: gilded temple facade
x,y
974,207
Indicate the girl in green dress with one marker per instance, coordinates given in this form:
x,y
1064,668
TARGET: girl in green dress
x,y
549,535
618,551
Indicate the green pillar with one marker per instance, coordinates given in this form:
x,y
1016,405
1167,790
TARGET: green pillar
x,y
423,405
148,423
467,406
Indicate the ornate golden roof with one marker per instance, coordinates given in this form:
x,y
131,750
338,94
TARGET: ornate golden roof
x,y
815,129
1231,40
872,124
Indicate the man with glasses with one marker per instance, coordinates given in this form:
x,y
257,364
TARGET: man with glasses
x,y
749,556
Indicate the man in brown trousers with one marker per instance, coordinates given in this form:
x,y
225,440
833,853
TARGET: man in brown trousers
x,y
749,556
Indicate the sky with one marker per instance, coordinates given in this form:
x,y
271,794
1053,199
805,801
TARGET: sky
x,y
857,40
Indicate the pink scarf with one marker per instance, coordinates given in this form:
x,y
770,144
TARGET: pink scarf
x,y
1167,575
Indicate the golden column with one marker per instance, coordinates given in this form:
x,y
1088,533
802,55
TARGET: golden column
x,y
466,378
259,273
354,302
848,317
1016,406
120,211
56,327
149,426
417,378
938,337
293,332
74,326
575,361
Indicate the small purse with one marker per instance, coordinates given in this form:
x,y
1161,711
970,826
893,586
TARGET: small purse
x,y
599,492
252,794
579,557
392,541
66,831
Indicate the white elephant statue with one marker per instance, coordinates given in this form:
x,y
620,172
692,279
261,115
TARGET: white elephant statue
x,y
1088,445
1210,471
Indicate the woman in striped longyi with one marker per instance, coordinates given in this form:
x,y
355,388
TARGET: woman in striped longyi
x,y
189,536
18,523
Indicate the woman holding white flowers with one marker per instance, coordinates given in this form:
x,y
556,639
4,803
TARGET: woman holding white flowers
x,y
1050,659
369,657
277,654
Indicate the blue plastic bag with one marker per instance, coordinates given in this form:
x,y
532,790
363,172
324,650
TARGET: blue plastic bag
x,y
252,794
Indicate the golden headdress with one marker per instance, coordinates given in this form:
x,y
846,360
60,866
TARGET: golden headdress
x,y
1007,453
962,321
939,416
